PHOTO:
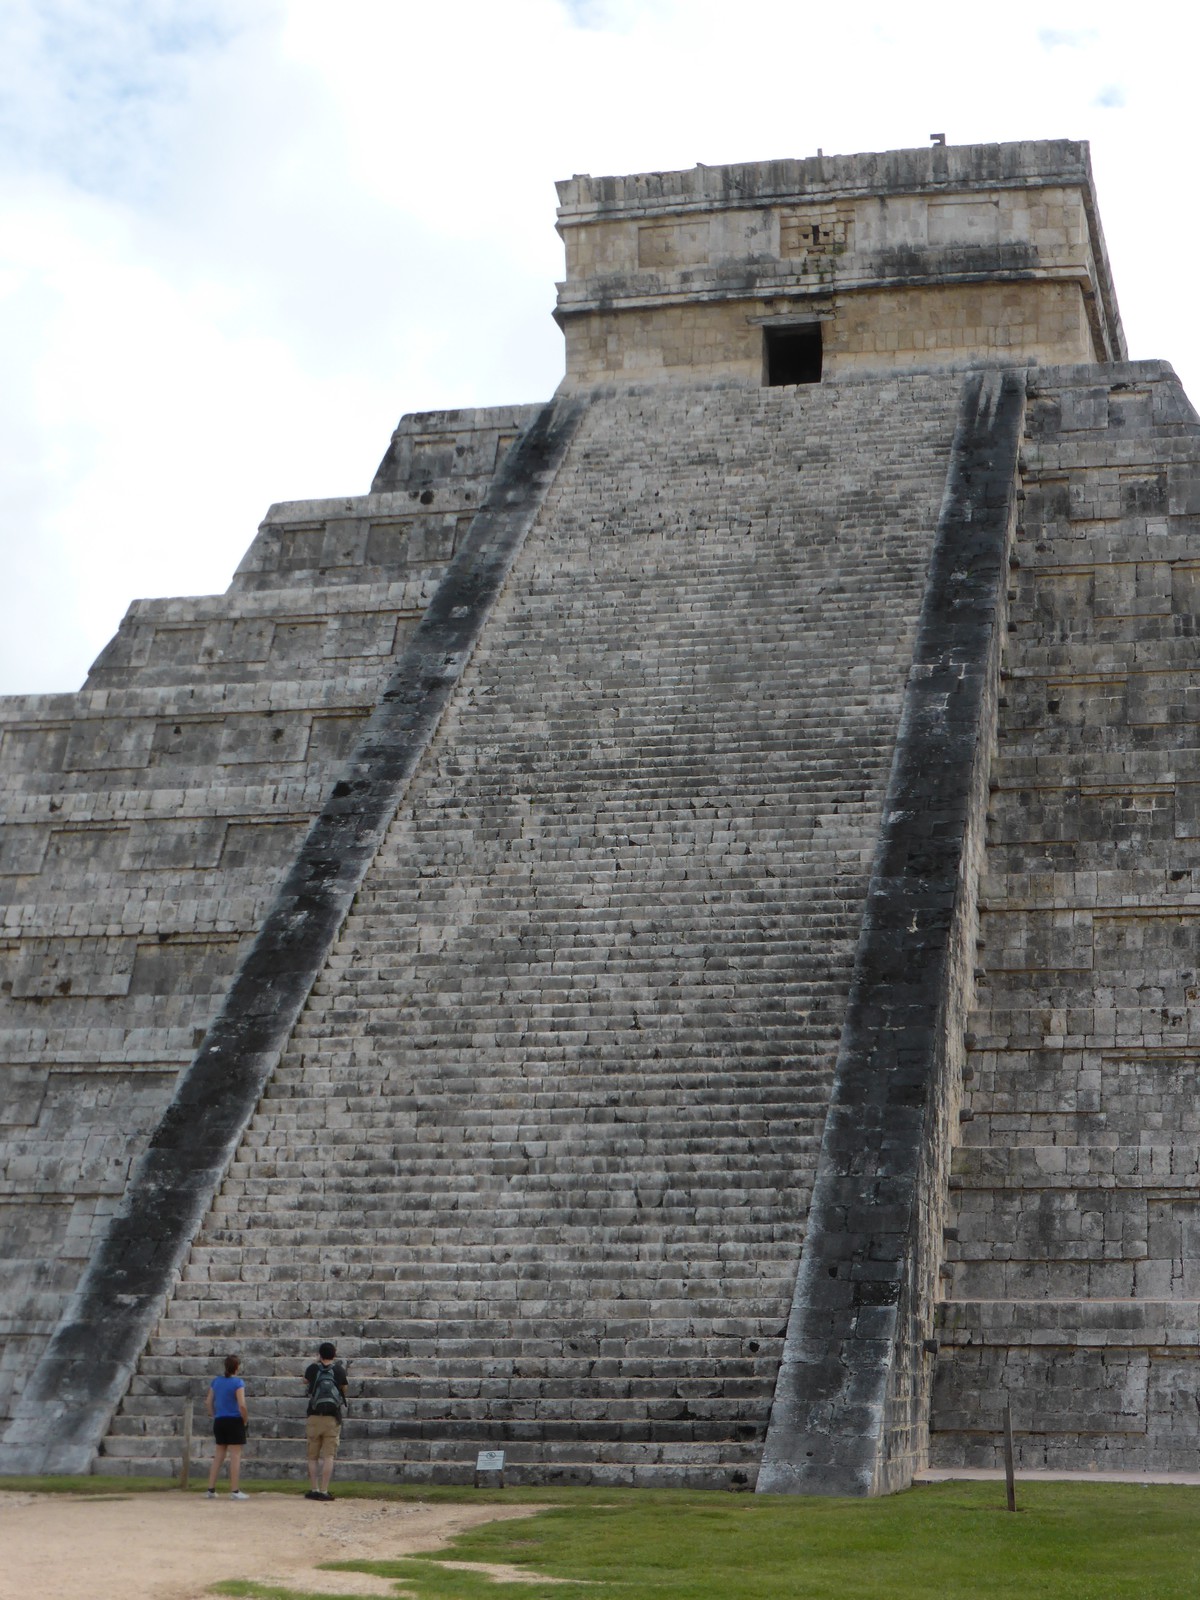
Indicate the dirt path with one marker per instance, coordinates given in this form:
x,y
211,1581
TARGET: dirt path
x,y
172,1546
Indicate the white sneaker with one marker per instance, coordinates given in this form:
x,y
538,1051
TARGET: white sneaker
x,y
210,1494
238,1495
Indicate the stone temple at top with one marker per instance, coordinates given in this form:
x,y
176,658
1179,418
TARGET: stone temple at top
x,y
803,271
670,927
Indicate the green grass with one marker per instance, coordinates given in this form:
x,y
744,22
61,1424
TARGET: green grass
x,y
349,1489
952,1541
84,1486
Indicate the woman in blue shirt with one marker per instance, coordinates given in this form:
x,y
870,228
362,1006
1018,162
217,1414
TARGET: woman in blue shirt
x,y
226,1405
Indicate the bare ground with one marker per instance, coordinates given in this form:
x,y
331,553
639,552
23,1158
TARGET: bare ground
x,y
173,1546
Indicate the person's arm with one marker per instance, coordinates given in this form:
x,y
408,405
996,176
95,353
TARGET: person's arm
x,y
208,1400
241,1394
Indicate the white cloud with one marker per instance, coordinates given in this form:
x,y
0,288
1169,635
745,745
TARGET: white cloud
x,y
1066,38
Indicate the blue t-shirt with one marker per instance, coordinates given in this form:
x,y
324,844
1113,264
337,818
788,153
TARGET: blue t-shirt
x,y
225,1392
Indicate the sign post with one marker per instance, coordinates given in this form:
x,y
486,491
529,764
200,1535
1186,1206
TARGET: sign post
x,y
489,1461
1009,1481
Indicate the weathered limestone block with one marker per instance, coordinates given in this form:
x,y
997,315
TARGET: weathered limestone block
x,y
147,820
532,1127
938,257
1070,1281
558,1091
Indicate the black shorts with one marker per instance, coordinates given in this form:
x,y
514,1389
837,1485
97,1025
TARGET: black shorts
x,y
229,1430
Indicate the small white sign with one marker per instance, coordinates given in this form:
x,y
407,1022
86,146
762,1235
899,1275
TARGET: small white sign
x,y
489,1461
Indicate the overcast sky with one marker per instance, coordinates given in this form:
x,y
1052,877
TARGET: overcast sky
x,y
238,238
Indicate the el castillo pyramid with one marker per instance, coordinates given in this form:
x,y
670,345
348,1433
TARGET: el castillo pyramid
x,y
668,928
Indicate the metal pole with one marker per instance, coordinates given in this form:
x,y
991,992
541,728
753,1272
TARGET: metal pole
x,y
185,1466
1009,1483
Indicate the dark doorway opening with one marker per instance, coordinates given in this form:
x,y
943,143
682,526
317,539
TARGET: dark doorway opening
x,y
792,355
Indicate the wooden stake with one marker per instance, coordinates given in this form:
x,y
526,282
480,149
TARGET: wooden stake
x,y
185,1466
1009,1482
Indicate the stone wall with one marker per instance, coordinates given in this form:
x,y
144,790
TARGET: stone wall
x,y
518,1005
872,331
942,257
851,1402
148,820
1069,1283
538,1153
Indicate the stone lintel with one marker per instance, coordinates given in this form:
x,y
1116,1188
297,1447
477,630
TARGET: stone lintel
x,y
1026,163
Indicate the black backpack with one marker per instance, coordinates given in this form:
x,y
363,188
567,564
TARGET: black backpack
x,y
324,1397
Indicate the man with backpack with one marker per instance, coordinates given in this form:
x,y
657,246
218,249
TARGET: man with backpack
x,y
325,1383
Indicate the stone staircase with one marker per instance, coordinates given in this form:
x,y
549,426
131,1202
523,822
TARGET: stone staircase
x,y
148,819
1072,1275
538,1156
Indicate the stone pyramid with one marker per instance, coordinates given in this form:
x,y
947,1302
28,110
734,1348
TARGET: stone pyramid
x,y
665,928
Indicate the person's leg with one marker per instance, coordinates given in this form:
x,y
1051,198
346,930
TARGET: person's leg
x,y
214,1471
235,1466
313,1445
331,1444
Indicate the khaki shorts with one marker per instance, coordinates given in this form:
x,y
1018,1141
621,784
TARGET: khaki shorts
x,y
322,1434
